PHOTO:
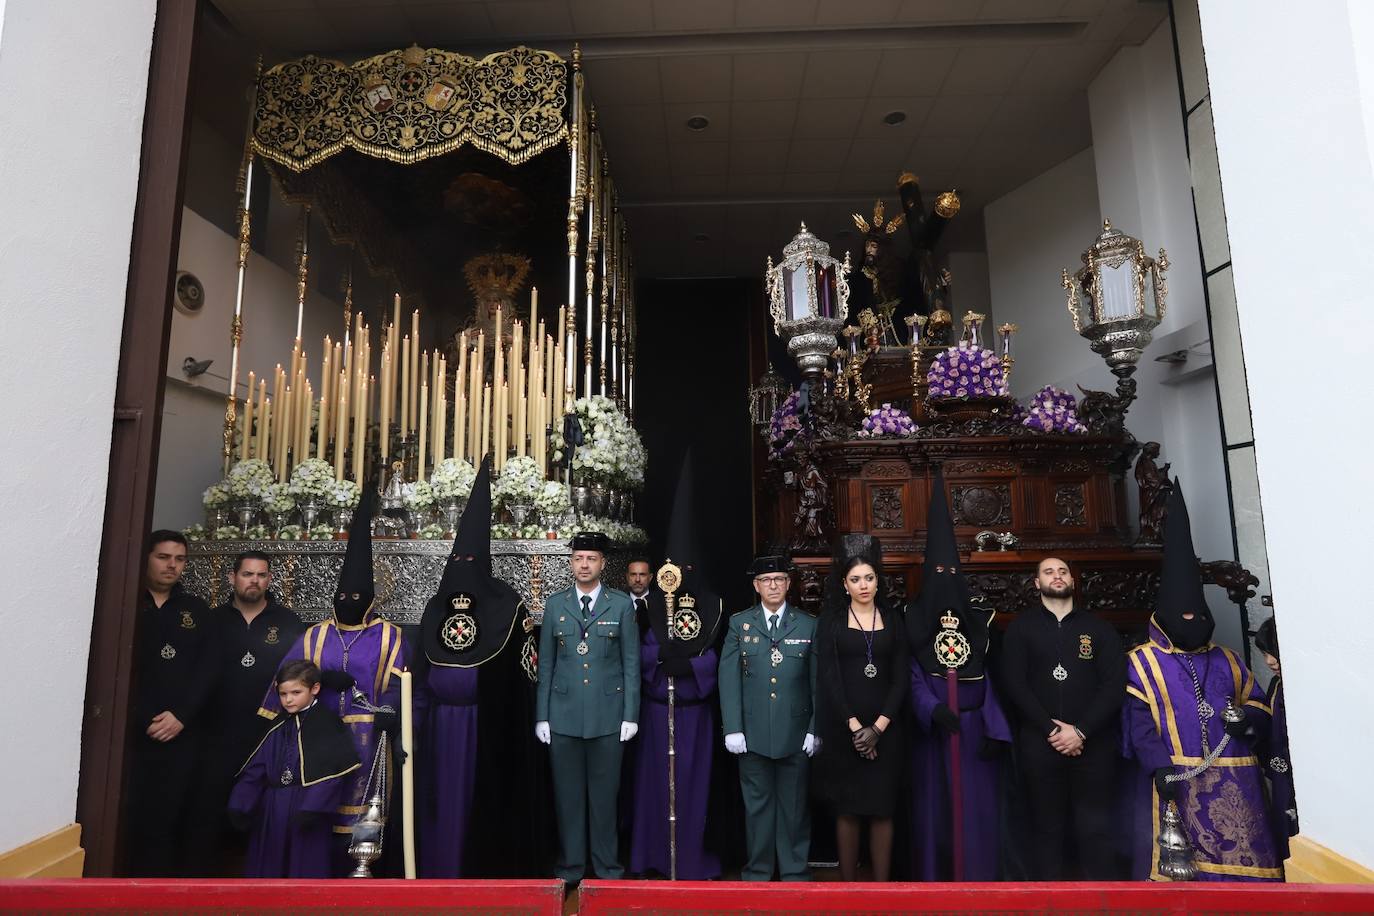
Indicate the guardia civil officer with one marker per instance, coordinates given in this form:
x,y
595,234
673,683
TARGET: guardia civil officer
x,y
767,705
587,706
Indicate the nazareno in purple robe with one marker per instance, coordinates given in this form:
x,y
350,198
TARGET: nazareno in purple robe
x,y
446,728
280,846
694,729
980,717
1223,807
376,656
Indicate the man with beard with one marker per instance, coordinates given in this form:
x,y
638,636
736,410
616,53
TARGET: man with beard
x,y
247,640
360,656
959,716
678,664
1179,685
638,575
474,706
1064,672
169,695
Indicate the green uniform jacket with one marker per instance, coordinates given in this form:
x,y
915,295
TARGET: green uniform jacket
x,y
588,696
774,706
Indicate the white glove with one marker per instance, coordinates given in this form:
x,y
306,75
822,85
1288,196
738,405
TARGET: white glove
x,y
734,743
811,744
627,731
541,731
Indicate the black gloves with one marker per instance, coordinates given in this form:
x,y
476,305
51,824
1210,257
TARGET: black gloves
x,y
676,667
388,722
945,718
866,739
1241,730
1168,791
336,680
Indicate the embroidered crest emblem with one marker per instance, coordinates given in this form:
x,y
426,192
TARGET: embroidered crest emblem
x,y
1059,673
686,624
1085,646
248,660
459,632
168,652
951,647
273,637
286,777
529,659
1278,765
187,621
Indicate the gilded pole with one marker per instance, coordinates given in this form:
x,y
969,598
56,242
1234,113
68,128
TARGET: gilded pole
x,y
593,241
577,180
244,187
617,301
606,243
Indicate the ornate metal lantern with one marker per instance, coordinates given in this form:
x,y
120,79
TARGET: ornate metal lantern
x,y
808,296
1125,292
765,397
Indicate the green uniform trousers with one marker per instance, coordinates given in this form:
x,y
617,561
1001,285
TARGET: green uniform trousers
x,y
586,784
777,817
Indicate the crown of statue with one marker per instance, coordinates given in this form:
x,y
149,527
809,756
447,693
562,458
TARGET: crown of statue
x,y
461,602
948,621
687,602
373,78
496,275
413,56
879,209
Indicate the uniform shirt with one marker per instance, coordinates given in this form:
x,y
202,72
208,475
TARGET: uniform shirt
x,y
168,658
246,656
1073,670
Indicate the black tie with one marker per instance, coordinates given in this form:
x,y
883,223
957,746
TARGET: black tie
x,y
586,606
773,625
641,606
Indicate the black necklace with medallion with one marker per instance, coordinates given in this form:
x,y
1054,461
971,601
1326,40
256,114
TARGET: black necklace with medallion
x,y
870,669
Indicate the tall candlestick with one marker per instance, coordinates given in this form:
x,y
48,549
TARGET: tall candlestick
x,y
358,435
486,420
405,386
414,391
424,400
245,447
261,450
340,428
284,440
458,412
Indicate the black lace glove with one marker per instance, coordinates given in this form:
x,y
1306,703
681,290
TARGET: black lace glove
x,y
339,681
946,719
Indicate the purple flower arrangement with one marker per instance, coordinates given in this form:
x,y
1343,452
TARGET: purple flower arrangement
x,y
888,422
1053,410
784,427
966,372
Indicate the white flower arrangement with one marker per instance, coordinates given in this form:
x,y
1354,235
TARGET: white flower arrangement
x,y
418,495
431,532
249,479
453,477
216,496
257,533
289,533
226,533
611,452
507,532
313,478
320,533
520,480
278,498
552,500
194,532
342,494
619,532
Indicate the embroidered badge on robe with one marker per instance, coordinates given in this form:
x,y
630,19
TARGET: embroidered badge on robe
x,y
1085,647
273,637
187,621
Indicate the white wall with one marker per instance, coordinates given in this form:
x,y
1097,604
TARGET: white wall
x,y
1288,101
1136,174
64,262
193,413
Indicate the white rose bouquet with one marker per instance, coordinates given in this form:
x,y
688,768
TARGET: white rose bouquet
x,y
278,498
417,496
194,533
612,452
216,496
342,494
552,500
452,477
519,481
249,479
313,478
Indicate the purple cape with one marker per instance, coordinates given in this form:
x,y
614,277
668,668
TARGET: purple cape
x,y
280,846
1223,807
694,731
980,718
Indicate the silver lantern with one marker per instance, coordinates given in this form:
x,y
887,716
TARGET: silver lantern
x,y
808,294
1125,294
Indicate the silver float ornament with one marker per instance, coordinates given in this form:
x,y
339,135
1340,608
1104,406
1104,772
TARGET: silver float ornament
x,y
1126,297
1175,852
808,293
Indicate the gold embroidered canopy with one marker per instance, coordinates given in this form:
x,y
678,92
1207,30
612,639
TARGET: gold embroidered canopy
x,y
408,106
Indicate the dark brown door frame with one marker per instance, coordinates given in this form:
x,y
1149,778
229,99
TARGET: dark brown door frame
x,y
136,431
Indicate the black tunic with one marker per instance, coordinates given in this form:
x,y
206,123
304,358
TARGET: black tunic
x,y
850,783
245,657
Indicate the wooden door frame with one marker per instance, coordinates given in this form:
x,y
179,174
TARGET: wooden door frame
x,y
137,426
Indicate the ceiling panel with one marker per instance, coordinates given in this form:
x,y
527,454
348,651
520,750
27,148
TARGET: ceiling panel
x,y
985,69
818,155
763,120
755,156
532,17
696,16
856,12
610,17
768,76
696,78
759,14
839,74
872,127
938,10
623,81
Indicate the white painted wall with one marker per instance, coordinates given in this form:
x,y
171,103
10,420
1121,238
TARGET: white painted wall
x,y
1136,174
64,262
193,412
1289,95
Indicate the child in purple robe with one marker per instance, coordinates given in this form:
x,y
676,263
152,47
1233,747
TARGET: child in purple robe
x,y
293,782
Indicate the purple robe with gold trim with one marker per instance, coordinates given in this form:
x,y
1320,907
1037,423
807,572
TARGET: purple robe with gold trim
x,y
446,707
1223,807
694,737
376,656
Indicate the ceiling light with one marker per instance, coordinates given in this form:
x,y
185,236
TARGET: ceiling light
x,y
894,117
698,122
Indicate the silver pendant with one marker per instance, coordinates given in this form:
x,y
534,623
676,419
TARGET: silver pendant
x,y
775,656
1205,709
870,670
168,652
248,660
1060,674
286,777
583,648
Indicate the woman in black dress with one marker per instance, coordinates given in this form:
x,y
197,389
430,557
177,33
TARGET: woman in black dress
x,y
864,676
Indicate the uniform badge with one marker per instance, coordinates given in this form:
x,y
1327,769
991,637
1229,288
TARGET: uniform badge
x,y
583,648
248,660
286,777
529,659
459,631
951,646
745,627
686,624
775,656
168,652
272,637
1085,646
187,621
